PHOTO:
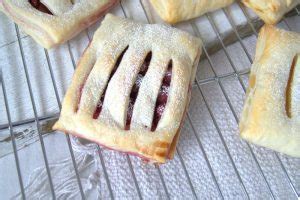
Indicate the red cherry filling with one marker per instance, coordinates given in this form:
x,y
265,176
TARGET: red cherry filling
x,y
136,87
99,107
39,6
157,115
129,114
163,94
167,78
162,97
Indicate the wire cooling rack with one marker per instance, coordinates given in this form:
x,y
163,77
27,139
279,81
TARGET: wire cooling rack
x,y
211,161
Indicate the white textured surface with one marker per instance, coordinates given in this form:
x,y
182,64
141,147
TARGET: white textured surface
x,y
211,120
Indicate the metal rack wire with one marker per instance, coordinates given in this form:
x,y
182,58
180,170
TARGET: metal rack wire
x,y
199,82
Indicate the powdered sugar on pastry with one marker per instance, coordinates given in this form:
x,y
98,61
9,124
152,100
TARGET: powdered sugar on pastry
x,y
58,7
293,91
271,113
118,93
64,20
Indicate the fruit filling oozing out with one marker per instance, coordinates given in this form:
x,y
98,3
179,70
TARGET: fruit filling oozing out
x,y
39,6
161,98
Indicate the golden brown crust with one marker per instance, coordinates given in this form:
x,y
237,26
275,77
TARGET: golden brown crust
x,y
173,11
264,119
110,40
271,11
51,30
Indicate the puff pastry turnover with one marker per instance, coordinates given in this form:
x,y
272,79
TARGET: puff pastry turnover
x,y
271,115
131,88
52,22
271,11
173,11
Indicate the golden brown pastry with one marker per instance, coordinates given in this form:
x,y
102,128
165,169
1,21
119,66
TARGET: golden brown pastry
x,y
173,11
131,88
271,11
52,22
271,115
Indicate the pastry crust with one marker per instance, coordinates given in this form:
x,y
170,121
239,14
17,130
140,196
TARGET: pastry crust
x,y
173,11
68,19
114,35
265,119
271,11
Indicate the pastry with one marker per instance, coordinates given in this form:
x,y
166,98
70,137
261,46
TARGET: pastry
x,y
271,115
53,22
271,11
173,11
131,88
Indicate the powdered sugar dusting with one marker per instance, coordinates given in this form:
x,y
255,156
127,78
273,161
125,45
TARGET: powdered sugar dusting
x,y
58,7
67,20
165,42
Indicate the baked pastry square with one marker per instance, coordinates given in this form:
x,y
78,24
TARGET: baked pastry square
x,y
173,11
53,22
132,87
271,115
272,11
